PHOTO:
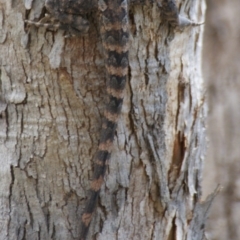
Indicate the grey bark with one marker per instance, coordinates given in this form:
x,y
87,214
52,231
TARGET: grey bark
x,y
221,69
52,98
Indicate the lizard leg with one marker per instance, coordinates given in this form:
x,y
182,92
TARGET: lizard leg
x,y
66,15
81,25
169,13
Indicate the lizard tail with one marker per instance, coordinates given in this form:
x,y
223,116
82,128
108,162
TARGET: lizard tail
x,y
115,38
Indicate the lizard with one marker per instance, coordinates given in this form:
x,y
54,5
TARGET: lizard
x,y
114,29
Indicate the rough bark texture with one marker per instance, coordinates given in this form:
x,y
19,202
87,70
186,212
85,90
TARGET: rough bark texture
x,y
52,99
221,60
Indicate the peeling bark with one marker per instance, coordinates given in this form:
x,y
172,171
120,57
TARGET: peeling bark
x,y
53,94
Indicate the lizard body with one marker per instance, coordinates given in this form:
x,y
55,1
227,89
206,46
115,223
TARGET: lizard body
x,y
69,16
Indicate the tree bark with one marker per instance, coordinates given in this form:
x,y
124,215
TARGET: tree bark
x,y
53,96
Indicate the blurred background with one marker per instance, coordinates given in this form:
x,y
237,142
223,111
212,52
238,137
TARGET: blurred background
x,y
221,69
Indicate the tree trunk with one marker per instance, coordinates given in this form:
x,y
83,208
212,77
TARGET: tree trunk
x,y
52,99
221,69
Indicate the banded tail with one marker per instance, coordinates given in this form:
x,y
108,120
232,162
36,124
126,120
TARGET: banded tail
x,y
115,38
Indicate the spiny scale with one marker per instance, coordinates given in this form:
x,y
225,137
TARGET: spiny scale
x,y
115,37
